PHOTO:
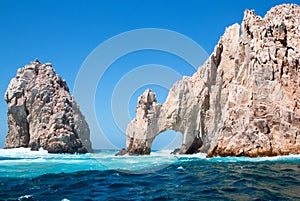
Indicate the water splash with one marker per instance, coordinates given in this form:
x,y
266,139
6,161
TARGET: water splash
x,y
23,163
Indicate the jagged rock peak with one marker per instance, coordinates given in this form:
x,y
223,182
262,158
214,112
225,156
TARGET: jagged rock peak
x,y
244,101
42,113
262,115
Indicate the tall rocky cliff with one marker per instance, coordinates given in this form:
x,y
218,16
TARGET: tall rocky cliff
x,y
42,113
244,101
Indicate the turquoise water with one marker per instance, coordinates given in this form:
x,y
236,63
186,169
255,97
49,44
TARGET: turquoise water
x,y
26,175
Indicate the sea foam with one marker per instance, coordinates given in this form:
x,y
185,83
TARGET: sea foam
x,y
21,162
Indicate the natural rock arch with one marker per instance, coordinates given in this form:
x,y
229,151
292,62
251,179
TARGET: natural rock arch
x,y
194,106
153,119
244,101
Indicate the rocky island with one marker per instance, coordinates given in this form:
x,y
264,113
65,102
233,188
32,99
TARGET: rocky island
x,y
43,114
245,99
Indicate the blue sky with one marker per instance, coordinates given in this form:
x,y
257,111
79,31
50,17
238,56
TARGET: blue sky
x,y
65,32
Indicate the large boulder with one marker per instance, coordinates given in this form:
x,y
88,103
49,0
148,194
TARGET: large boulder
x,y
42,113
245,99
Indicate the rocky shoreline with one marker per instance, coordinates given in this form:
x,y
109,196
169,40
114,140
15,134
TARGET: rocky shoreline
x,y
244,101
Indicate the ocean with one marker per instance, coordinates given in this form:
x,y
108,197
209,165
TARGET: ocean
x,y
27,175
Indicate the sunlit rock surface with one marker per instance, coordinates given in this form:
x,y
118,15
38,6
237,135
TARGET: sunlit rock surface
x,y
42,113
244,101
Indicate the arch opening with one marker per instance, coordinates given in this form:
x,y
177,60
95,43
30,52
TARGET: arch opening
x,y
167,140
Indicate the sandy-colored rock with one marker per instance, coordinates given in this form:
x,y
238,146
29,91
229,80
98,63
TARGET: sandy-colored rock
x,y
262,112
187,104
42,113
244,101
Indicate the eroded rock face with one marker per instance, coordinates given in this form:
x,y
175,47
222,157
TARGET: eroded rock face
x,y
187,108
244,101
262,115
42,113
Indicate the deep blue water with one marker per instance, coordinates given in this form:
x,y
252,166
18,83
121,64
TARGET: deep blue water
x,y
28,175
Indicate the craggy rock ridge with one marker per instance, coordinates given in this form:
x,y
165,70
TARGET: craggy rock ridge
x,y
42,113
244,101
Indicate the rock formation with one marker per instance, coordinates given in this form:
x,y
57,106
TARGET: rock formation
x,y
42,113
244,101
